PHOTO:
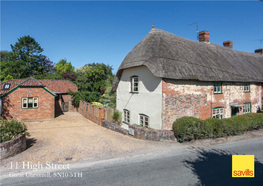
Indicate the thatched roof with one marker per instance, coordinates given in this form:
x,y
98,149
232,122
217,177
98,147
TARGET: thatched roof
x,y
173,57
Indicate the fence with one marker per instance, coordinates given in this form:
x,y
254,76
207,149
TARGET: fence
x,y
95,114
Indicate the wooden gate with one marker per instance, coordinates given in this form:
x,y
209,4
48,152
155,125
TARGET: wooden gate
x,y
64,106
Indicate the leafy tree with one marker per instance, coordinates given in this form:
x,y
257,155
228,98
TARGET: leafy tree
x,y
25,60
28,51
64,66
69,76
8,77
91,79
9,65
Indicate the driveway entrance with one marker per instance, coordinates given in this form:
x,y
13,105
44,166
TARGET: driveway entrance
x,y
71,137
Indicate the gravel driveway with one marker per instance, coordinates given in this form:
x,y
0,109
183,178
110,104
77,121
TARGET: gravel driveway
x,y
73,136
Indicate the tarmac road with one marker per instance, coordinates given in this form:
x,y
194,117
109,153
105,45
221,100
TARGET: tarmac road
x,y
187,167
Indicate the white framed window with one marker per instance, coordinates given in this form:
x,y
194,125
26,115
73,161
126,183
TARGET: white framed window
x,y
144,120
218,112
134,83
126,116
247,108
30,102
247,87
218,87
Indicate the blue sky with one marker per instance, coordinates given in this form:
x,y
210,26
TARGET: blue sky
x,y
85,32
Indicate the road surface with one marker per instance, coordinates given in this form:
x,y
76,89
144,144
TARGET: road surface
x,y
192,166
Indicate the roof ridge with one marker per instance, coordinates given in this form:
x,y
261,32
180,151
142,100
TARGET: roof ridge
x,y
28,80
57,80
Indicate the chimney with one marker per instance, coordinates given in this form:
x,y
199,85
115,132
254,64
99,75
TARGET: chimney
x,y
259,51
228,44
204,36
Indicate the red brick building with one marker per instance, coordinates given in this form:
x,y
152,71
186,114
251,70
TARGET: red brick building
x,y
31,99
166,77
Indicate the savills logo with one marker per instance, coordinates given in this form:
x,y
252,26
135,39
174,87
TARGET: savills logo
x,y
243,166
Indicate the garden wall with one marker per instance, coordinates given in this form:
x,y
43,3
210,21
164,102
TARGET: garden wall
x,y
102,116
114,127
91,112
12,147
151,134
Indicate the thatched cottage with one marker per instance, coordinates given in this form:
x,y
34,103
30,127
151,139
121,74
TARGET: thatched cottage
x,y
166,77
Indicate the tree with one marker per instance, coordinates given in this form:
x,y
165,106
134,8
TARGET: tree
x,y
91,79
64,66
8,77
10,66
28,55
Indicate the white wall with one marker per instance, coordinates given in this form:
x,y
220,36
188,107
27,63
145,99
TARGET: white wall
x,y
149,99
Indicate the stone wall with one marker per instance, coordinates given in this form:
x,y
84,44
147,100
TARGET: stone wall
x,y
151,134
194,98
12,147
114,127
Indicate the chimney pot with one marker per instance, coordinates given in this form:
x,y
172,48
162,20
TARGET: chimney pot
x,y
228,44
204,36
259,51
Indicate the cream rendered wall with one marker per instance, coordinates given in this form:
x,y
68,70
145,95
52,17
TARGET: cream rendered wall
x,y
148,101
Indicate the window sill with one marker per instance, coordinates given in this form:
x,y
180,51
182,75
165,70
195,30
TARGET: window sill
x,y
125,122
134,92
247,92
219,93
30,108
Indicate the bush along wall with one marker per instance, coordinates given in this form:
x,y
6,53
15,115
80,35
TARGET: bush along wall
x,y
191,128
11,129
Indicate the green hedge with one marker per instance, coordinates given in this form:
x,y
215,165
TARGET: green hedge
x,y
11,129
190,128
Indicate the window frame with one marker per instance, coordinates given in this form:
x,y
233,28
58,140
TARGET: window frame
x,y
27,102
247,103
6,84
144,117
218,112
218,84
247,87
126,116
132,82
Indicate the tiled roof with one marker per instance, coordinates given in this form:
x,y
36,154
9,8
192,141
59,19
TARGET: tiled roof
x,y
61,86
30,82
13,83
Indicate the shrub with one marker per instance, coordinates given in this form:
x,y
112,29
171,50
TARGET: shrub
x,y
97,104
117,117
190,128
11,129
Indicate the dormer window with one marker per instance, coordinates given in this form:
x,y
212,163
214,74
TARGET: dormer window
x,y
6,86
134,83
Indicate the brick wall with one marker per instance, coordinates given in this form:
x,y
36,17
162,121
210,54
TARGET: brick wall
x,y
12,104
91,112
12,147
194,98
65,98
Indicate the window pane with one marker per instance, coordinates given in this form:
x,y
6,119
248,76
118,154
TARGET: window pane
x,y
35,102
24,105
